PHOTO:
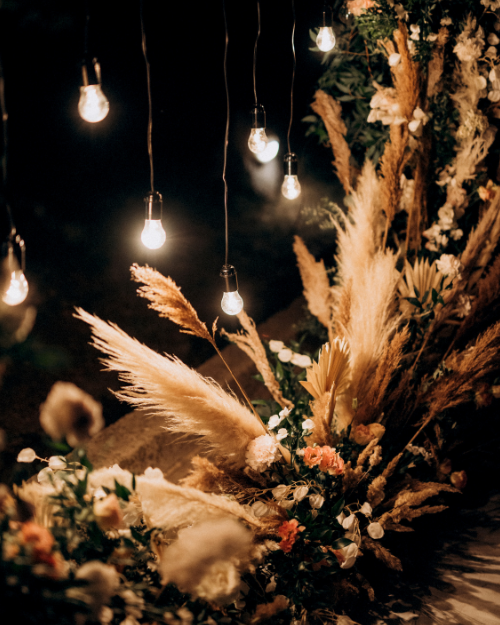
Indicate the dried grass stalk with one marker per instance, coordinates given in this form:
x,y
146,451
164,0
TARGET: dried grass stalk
x,y
382,554
316,284
322,410
436,64
189,402
408,503
330,112
367,452
376,493
250,343
166,298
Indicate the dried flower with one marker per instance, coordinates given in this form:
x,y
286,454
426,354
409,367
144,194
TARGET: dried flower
x,y
358,7
449,266
300,493
26,455
288,531
375,530
262,452
282,433
316,501
459,479
108,475
312,456
280,492
349,522
326,458
366,509
70,412
363,434
103,582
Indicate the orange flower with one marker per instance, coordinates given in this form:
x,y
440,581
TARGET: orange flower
x,y
39,537
312,456
288,531
326,457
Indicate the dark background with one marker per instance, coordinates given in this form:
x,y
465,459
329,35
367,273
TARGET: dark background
x,y
76,189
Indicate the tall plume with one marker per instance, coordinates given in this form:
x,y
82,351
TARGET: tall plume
x,y
189,402
250,343
330,112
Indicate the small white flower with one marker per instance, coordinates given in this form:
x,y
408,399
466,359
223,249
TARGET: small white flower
x,y
274,421
375,531
413,125
394,59
432,37
57,463
446,21
26,455
493,40
491,52
481,82
366,509
276,346
100,493
494,96
285,412
415,32
282,433
285,355
456,234
280,492
300,493
262,452
287,504
463,305
308,424
350,554
301,360
400,12
259,509
449,265
349,522
316,501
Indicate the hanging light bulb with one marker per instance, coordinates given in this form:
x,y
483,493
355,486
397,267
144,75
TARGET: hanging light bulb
x,y
16,285
257,142
231,303
153,236
93,105
291,186
326,38
271,151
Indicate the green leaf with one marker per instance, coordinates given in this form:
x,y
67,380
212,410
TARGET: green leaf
x,y
338,507
121,491
310,118
340,543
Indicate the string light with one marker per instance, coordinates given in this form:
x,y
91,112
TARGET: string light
x,y
153,235
93,105
257,142
232,302
291,186
326,37
15,286
271,151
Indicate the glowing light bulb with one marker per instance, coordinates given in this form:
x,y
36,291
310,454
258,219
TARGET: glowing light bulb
x,y
291,187
93,105
257,142
271,151
325,39
232,303
17,290
153,236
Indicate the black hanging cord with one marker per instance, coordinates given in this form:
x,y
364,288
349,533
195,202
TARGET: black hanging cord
x,y
293,77
226,138
86,30
255,53
150,116
5,117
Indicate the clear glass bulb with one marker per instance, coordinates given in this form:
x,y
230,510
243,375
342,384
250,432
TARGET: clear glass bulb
x,y
17,290
272,149
291,187
325,39
257,142
153,236
93,105
232,303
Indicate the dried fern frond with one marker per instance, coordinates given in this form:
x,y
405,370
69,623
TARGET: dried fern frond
x,y
332,368
330,112
316,284
250,343
189,402
166,298
383,554
322,414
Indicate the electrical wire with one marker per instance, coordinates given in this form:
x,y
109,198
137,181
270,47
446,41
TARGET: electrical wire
x,y
150,105
5,118
255,53
226,137
86,30
293,77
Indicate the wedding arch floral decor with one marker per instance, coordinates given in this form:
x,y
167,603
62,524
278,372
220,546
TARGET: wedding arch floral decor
x,y
295,493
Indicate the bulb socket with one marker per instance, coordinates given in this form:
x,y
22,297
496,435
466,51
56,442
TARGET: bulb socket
x,y
154,205
91,72
228,272
258,114
291,164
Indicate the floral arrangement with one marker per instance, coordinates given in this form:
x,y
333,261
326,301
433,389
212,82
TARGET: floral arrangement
x,y
294,494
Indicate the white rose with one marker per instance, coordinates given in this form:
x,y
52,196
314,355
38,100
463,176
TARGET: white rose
x,y
300,493
301,360
285,355
308,424
366,509
276,346
282,433
316,501
375,531
26,455
394,59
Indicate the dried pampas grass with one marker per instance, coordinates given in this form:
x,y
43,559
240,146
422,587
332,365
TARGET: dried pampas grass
x,y
383,554
330,112
250,343
316,284
189,402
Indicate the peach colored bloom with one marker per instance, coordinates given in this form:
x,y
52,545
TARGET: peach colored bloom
x,y
312,456
288,531
363,434
39,537
356,7
459,479
108,513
